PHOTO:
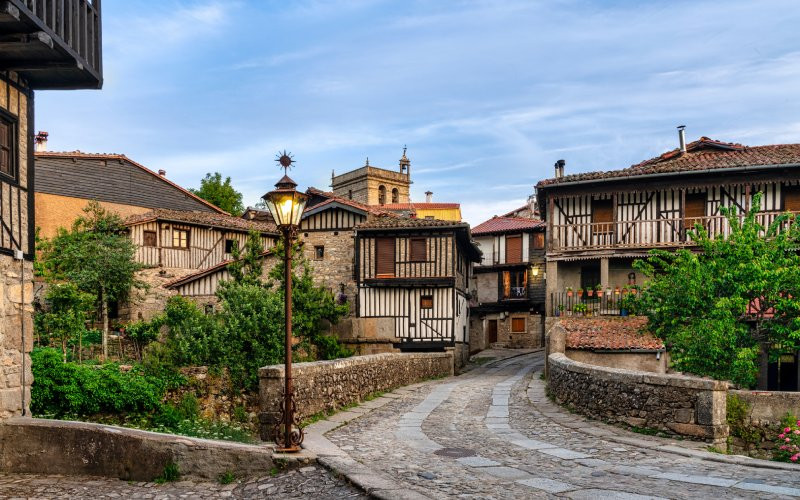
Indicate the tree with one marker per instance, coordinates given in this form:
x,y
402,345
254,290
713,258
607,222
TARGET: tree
x,y
65,316
97,256
248,267
221,194
718,307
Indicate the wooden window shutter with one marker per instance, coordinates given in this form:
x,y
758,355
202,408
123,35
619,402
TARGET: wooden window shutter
x,y
384,257
518,325
426,302
791,198
418,250
603,216
6,147
538,241
695,209
506,284
513,249
150,238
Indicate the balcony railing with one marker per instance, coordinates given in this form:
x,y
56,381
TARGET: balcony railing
x,y
655,233
516,292
607,303
56,43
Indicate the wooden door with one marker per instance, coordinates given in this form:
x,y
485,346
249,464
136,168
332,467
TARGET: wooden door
x,y
602,222
384,257
513,249
695,210
491,330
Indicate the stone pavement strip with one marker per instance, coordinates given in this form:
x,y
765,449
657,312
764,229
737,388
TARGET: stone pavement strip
x,y
311,481
491,434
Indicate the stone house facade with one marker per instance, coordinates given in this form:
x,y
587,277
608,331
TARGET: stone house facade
x,y
46,60
508,286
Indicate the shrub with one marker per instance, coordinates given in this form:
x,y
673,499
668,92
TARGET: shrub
x,y
788,441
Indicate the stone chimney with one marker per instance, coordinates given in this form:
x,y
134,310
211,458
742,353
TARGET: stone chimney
x,y
41,141
428,196
162,173
560,168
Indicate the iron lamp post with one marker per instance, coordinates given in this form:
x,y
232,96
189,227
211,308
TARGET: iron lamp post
x,y
286,205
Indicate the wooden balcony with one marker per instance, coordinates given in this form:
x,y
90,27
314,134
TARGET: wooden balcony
x,y
53,44
640,234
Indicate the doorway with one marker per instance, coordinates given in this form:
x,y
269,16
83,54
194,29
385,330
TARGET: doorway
x,y
491,331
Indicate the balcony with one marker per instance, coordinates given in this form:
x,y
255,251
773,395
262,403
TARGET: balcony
x,y
640,234
53,44
515,293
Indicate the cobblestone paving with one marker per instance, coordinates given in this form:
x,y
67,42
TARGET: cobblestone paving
x,y
307,482
479,436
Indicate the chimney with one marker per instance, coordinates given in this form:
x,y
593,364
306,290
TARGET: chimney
x,y
428,196
162,173
41,141
682,137
560,168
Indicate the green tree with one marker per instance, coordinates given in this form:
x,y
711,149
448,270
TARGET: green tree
x,y
717,307
97,256
248,267
67,311
221,193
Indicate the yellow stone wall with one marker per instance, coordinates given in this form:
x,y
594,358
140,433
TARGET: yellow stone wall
x,y
54,211
451,214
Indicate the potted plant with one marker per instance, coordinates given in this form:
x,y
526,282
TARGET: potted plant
x,y
580,292
599,290
580,309
569,291
589,291
560,310
616,290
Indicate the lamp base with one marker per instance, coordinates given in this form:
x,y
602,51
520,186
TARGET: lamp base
x,y
290,449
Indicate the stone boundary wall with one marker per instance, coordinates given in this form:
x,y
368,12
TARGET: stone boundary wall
x,y
41,446
327,385
677,404
769,407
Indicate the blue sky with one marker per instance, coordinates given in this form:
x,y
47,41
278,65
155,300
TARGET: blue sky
x,y
486,94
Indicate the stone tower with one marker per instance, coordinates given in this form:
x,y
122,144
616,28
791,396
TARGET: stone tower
x,y
375,186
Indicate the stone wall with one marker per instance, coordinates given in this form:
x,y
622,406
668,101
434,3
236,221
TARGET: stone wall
x,y
326,385
336,266
765,411
652,362
677,404
40,446
16,316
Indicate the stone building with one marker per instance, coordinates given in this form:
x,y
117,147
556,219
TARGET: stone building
x,y
36,54
374,186
67,181
508,288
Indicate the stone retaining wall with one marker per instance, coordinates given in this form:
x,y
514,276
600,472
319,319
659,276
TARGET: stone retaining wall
x,y
677,404
327,385
40,446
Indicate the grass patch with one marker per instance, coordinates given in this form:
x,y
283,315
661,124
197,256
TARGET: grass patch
x,y
227,477
714,449
171,473
481,360
647,431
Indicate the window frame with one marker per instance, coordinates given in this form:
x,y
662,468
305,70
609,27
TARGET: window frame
x,y
426,302
524,325
188,236
319,252
229,244
538,241
412,257
515,238
384,240
13,131
154,234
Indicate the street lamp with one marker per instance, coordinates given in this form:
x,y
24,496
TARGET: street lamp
x,y
286,205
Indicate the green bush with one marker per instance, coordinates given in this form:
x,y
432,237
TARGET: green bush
x,y
61,389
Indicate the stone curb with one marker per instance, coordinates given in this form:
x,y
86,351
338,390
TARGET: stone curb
x,y
554,410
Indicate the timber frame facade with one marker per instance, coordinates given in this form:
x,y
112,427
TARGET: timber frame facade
x,y
599,222
41,47
413,279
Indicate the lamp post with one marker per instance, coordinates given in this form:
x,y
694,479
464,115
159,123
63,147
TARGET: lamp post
x,y
286,205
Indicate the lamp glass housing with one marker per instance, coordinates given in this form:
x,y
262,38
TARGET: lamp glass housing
x,y
286,206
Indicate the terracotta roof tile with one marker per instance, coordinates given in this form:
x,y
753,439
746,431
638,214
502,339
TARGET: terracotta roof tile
x,y
201,218
422,206
502,224
703,154
332,198
609,333
116,156
405,222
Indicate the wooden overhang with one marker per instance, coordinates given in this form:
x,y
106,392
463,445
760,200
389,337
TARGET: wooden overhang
x,y
460,229
52,44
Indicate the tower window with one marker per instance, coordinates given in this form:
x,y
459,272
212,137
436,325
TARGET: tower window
x,y
381,195
395,196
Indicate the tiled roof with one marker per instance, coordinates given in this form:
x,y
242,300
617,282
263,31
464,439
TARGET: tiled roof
x,y
609,333
201,218
502,224
703,154
332,198
421,206
523,209
188,278
404,223
116,156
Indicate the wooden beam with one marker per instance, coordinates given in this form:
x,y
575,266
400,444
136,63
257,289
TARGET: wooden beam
x,y
8,12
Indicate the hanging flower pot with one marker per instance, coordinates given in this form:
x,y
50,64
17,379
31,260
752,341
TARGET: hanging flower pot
x,y
569,292
600,293
580,292
589,292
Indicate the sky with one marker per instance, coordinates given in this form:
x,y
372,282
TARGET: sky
x,y
487,95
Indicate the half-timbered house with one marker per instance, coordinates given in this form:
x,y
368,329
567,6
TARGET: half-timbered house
x,y
599,222
44,45
413,282
186,253
508,287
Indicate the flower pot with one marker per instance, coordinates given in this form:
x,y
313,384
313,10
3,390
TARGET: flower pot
x,y
623,312
590,292
569,294
599,293
580,293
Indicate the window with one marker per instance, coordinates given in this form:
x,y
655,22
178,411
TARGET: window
x,y
229,244
381,195
538,241
515,284
518,325
418,250
395,196
180,238
319,252
8,147
150,239
513,249
791,198
695,209
384,257
426,302
602,216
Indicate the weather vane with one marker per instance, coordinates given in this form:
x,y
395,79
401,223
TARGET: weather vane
x,y
285,160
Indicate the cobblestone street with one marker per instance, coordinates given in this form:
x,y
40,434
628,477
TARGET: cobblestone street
x,y
485,434
306,482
